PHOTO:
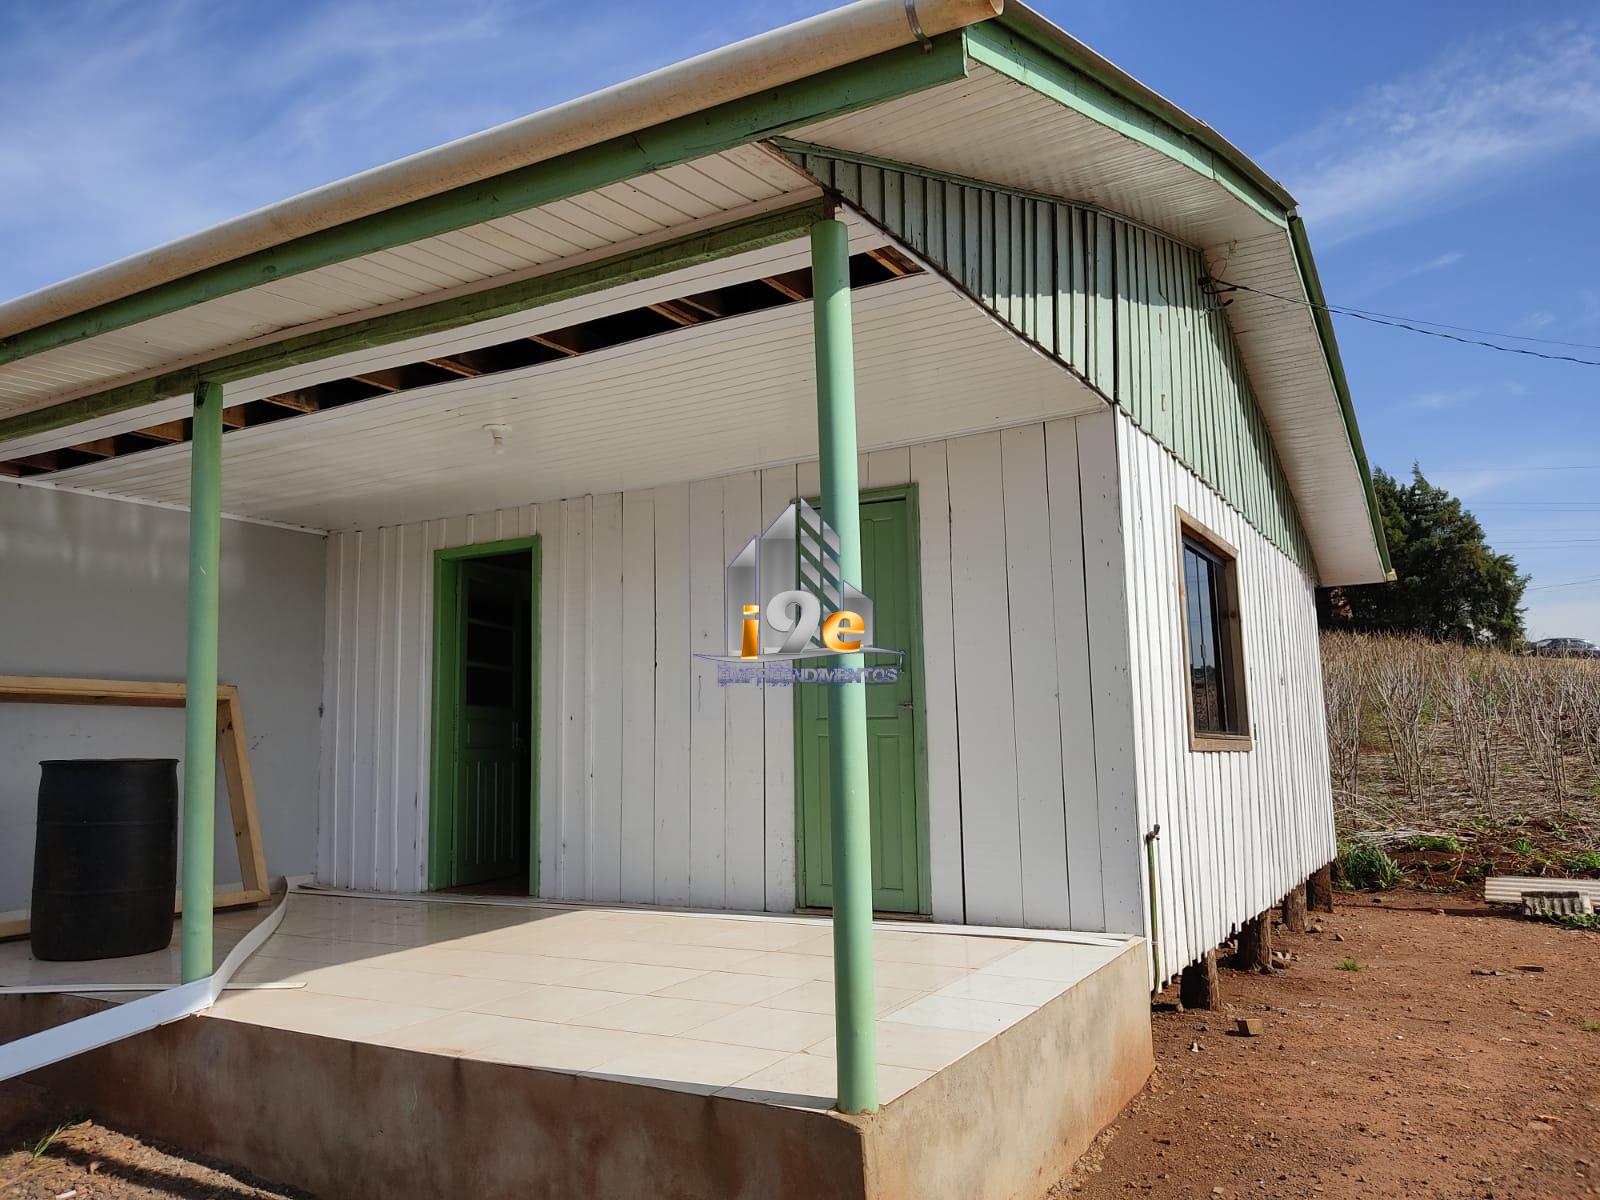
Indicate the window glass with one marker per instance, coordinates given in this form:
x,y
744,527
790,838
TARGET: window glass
x,y
1210,671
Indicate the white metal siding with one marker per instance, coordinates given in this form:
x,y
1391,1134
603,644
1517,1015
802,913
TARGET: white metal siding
x,y
1238,829
656,785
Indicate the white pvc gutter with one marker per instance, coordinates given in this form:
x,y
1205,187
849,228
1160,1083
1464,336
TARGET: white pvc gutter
x,y
137,1016
768,60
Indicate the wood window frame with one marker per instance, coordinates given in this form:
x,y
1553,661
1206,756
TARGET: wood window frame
x,y
1230,628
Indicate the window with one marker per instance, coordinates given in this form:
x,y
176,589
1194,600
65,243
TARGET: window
x,y
1209,591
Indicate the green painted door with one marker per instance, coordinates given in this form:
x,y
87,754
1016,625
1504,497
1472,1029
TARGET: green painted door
x,y
888,562
492,724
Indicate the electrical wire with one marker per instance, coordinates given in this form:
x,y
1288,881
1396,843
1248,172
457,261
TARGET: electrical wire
x,y
1548,587
1412,324
1520,470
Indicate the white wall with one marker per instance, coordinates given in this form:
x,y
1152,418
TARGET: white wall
x,y
656,785
96,587
1239,829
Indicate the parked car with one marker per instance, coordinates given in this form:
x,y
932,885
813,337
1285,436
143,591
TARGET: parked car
x,y
1564,648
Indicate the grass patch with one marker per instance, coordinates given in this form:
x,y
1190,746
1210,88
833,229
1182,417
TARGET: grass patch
x,y
1591,1026
1435,841
1589,860
1589,922
1523,847
1351,964
1363,866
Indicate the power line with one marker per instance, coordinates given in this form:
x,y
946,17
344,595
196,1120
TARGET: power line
x,y
1548,587
1411,324
1519,470
1496,333
1528,506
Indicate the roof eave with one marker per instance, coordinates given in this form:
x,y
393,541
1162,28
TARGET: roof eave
x,y
1027,23
1341,385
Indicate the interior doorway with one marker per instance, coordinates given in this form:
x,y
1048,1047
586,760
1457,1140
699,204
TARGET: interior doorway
x,y
483,823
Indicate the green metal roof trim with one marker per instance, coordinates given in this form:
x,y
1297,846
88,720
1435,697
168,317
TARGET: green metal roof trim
x,y
1024,45
1341,385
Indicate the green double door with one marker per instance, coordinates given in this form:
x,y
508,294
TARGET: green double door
x,y
888,564
491,723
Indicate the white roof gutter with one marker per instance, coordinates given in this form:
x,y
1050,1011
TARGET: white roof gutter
x,y
833,39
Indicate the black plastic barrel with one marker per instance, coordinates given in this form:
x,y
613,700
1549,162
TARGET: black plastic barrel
x,y
105,859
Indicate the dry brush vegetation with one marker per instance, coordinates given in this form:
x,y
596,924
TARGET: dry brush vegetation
x,y
1459,760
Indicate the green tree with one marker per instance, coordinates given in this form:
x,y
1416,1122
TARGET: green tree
x,y
1449,585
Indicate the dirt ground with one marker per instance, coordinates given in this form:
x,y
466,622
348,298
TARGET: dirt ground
x,y
1416,1075
85,1161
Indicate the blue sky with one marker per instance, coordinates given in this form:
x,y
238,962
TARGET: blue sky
x,y
1446,157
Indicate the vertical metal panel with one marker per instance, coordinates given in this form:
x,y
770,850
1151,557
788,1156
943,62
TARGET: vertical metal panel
x,y
1121,304
637,882
1035,685
743,733
604,697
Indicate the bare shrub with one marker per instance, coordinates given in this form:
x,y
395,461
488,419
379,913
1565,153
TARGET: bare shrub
x,y
1583,683
1344,684
1470,687
1538,704
1400,692
1426,738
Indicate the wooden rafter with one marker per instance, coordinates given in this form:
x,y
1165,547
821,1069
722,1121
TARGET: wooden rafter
x,y
892,260
703,304
455,366
373,380
784,288
234,418
298,401
167,431
105,447
550,343
677,312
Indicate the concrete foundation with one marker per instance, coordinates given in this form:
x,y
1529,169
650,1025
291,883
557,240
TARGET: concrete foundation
x,y
350,1119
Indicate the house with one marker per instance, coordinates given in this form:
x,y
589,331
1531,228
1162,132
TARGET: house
x,y
483,429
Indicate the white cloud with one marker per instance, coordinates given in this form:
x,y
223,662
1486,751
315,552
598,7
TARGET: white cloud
x,y
1490,105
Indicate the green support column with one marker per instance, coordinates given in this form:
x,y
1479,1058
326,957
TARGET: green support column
x,y
200,700
847,704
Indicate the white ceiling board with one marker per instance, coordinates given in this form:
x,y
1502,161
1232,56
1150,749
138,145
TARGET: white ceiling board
x,y
651,206
688,404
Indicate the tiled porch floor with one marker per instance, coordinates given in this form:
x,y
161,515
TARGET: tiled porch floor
x,y
731,1004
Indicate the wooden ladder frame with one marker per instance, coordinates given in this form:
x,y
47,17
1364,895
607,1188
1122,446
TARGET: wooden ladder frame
x,y
232,751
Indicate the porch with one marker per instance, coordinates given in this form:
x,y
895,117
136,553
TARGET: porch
x,y
623,1048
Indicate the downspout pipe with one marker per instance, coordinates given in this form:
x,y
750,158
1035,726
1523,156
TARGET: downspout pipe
x,y
809,47
1155,907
